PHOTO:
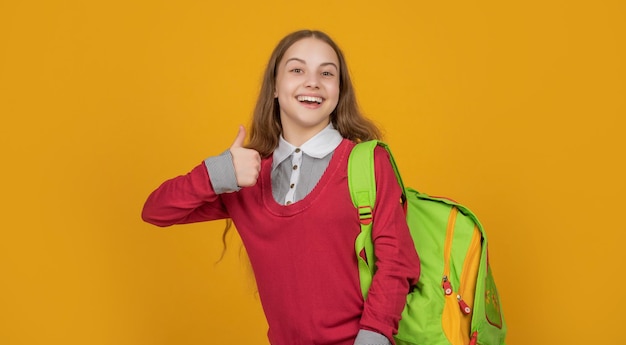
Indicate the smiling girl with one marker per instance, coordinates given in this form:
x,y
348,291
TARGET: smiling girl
x,y
287,193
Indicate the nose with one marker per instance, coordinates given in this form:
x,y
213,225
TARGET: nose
x,y
312,81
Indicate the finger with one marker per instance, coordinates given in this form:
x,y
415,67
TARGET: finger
x,y
241,136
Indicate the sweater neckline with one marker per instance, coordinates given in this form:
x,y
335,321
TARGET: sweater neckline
x,y
288,210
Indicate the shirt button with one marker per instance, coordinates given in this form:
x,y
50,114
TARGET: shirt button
x,y
292,185
298,150
295,167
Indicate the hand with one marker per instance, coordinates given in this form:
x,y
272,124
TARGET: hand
x,y
247,162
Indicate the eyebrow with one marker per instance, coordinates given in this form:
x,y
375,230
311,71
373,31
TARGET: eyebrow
x,y
304,62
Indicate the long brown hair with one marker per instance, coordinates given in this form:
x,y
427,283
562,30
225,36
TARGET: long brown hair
x,y
346,118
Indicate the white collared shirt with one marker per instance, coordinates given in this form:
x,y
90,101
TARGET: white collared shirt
x,y
296,170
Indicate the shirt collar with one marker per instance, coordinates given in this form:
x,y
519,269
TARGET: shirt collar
x,y
319,146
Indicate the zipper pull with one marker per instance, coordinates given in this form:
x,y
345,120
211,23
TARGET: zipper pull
x,y
474,338
464,307
447,287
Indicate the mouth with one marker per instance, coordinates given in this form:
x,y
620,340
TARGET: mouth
x,y
310,99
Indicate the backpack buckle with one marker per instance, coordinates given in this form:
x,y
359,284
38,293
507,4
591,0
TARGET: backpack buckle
x,y
365,215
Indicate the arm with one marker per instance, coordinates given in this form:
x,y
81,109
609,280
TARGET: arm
x,y
194,197
184,199
397,265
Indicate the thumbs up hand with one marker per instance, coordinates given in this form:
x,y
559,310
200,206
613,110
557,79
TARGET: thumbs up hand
x,y
247,162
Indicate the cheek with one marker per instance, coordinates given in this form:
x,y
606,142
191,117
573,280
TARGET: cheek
x,y
283,96
333,90
283,86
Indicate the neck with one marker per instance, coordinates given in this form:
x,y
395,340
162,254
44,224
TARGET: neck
x,y
299,136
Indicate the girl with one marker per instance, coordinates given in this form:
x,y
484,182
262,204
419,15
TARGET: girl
x,y
287,194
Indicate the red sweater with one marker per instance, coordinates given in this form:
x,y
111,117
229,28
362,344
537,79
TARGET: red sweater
x,y
303,254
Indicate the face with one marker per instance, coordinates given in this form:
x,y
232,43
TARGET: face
x,y
307,88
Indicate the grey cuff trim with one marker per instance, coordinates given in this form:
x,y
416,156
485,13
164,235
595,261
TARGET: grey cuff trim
x,y
366,337
222,173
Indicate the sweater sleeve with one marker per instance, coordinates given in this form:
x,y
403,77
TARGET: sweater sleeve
x,y
184,199
397,262
222,173
365,337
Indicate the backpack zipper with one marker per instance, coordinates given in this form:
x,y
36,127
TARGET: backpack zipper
x,y
450,320
447,249
469,273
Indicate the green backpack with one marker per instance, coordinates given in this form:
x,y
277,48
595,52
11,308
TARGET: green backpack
x,y
455,301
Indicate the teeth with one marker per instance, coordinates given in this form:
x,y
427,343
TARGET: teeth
x,y
309,99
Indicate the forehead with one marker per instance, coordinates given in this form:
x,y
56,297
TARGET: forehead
x,y
311,50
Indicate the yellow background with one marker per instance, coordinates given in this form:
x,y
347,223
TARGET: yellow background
x,y
515,108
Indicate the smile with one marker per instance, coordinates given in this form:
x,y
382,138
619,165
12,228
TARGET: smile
x,y
310,99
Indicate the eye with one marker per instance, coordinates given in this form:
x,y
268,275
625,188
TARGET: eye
x,y
327,74
296,70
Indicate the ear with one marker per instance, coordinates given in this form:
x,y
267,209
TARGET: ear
x,y
275,94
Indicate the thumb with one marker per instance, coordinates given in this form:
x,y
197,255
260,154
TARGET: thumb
x,y
241,136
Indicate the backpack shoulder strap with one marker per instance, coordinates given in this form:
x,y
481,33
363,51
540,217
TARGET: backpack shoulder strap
x,y
361,176
361,179
362,184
